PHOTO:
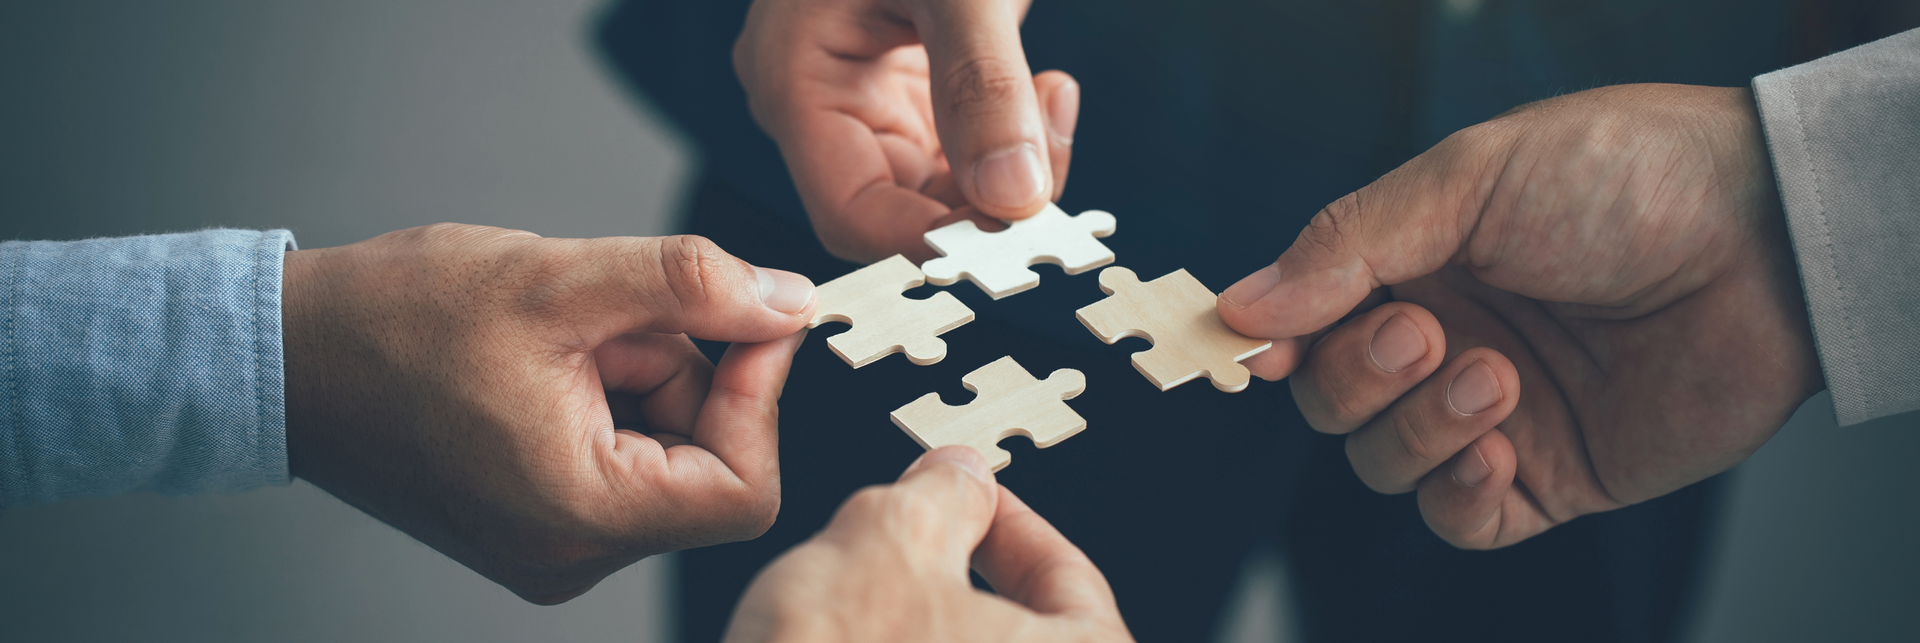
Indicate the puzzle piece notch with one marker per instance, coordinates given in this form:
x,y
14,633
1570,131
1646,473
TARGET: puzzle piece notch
x,y
1009,402
1177,314
884,320
998,262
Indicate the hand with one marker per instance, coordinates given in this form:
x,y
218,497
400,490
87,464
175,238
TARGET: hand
x,y
528,406
1593,304
854,92
892,566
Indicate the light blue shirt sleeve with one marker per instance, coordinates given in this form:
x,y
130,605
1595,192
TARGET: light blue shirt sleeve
x,y
141,364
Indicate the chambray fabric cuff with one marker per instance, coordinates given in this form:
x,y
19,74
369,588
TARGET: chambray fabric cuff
x,y
142,364
1844,135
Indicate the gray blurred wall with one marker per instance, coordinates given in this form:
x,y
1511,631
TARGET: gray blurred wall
x,y
344,119
339,119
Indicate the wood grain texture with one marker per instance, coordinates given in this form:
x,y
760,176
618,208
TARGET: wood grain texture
x,y
1010,402
1175,312
998,262
885,321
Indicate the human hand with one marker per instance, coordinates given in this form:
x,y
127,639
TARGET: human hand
x,y
875,102
892,566
1605,277
530,407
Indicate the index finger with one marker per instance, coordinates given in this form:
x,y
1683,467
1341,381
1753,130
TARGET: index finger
x,y
739,421
1408,224
682,284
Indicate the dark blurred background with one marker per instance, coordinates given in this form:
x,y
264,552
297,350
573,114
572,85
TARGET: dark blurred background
x,y
348,118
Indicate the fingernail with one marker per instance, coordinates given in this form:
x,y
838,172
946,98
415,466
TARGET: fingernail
x,y
784,291
1253,287
1470,468
1063,112
1473,390
1010,178
1397,345
966,458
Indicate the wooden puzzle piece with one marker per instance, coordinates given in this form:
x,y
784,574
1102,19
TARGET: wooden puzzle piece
x,y
1010,402
997,261
1175,312
884,320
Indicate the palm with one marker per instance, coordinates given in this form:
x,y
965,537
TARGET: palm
x,y
864,102
1631,278
901,119
886,94
874,102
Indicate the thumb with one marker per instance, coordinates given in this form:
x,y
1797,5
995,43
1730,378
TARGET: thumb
x,y
984,104
1029,562
933,517
1408,224
686,284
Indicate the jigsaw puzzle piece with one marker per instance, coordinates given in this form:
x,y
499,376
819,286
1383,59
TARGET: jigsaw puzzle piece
x,y
1176,313
998,262
885,321
1009,402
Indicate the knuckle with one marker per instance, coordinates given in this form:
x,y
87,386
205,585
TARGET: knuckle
x,y
1473,136
984,84
1411,434
540,268
1323,410
429,241
442,230
468,268
896,514
865,505
445,236
1347,412
1366,464
541,279
1331,392
1327,232
916,522
754,511
692,266
1482,148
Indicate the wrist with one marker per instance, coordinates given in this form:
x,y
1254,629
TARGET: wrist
x,y
302,339
1773,248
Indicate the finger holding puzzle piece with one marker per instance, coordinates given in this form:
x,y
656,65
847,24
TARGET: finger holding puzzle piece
x,y
1175,312
884,320
998,262
1010,402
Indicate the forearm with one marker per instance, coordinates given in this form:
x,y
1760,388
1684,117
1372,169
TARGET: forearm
x,y
1844,135
141,364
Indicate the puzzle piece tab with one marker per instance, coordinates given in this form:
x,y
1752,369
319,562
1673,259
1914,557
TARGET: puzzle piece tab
x,y
1175,312
997,261
883,320
1010,402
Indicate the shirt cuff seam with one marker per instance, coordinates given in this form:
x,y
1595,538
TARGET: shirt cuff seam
x,y
1810,229
270,435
